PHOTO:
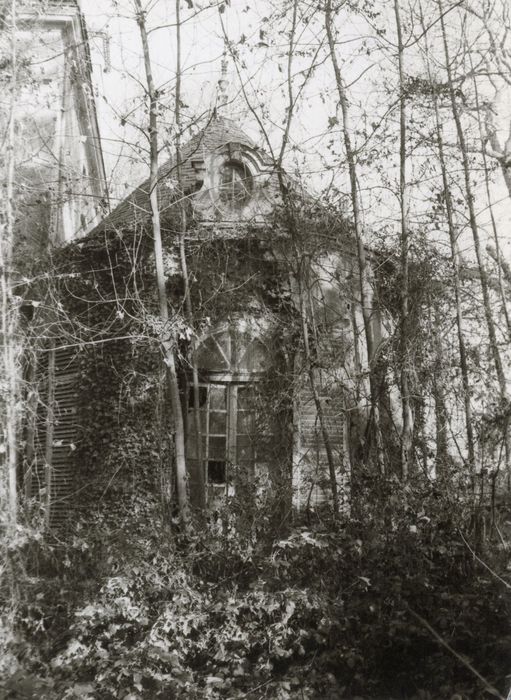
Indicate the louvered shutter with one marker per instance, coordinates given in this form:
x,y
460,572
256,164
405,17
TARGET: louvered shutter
x,y
56,432
311,471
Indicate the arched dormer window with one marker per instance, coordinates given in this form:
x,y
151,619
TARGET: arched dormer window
x,y
236,184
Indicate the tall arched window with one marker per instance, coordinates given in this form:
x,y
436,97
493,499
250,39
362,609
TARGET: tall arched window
x,y
235,436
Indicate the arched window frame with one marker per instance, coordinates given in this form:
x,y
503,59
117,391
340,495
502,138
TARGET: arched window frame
x,y
227,408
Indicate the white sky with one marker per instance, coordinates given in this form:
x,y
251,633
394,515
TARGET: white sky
x,y
315,151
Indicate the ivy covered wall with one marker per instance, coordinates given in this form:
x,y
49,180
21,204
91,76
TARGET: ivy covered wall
x,y
103,288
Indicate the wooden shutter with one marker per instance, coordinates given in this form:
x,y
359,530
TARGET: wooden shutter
x,y
311,472
56,433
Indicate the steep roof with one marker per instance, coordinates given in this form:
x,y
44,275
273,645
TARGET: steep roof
x,y
136,207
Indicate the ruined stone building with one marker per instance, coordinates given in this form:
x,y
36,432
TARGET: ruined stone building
x,y
273,332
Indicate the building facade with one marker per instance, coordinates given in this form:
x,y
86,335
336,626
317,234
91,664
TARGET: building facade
x,y
266,320
271,334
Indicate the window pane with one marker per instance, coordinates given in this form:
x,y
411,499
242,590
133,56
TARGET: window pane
x,y
245,397
217,448
217,422
236,183
216,396
210,356
216,471
254,357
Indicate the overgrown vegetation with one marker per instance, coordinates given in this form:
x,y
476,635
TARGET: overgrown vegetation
x,y
407,596
393,578
129,609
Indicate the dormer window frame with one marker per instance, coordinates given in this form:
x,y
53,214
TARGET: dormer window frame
x,y
236,183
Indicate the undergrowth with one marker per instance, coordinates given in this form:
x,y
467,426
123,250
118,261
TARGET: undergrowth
x,y
393,604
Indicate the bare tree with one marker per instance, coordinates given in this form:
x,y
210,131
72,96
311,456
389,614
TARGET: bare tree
x,y
405,345
364,272
200,485
494,349
453,235
167,340
9,312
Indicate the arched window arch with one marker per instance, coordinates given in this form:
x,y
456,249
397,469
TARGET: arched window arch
x,y
234,350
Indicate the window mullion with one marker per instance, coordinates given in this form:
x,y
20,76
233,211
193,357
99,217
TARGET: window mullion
x,y
232,408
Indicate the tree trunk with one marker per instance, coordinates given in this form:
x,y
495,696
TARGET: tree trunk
x,y
9,314
166,340
363,267
441,421
455,272
200,486
405,344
